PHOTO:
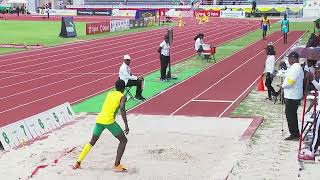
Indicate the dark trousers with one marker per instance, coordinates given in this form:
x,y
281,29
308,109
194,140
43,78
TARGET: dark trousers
x,y
136,83
164,61
292,116
200,49
268,83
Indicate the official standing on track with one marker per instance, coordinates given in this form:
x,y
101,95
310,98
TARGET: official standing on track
x,y
269,68
164,51
293,92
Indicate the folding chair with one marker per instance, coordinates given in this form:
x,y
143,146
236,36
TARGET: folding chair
x,y
128,93
209,52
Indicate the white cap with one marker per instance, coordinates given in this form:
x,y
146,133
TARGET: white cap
x,y
126,56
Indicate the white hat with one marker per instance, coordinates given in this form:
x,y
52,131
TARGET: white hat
x,y
126,56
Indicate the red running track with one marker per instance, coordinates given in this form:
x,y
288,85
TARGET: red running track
x,y
219,89
34,81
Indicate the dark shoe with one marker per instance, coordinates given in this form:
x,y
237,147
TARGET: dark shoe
x,y
276,94
292,138
140,98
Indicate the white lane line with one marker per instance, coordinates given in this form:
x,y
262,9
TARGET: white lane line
x,y
221,114
101,52
21,105
212,101
94,70
227,75
98,44
172,87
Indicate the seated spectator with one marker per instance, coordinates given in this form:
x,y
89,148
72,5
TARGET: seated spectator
x,y
129,79
309,68
198,45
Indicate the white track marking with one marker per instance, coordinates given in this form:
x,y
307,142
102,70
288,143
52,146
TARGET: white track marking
x,y
227,75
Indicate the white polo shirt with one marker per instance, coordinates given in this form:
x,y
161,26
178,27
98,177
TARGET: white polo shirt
x,y
125,73
293,82
165,48
198,43
270,64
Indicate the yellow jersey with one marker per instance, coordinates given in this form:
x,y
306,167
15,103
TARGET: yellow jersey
x,y
265,21
110,108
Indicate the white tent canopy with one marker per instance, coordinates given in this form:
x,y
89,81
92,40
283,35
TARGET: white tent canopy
x,y
17,2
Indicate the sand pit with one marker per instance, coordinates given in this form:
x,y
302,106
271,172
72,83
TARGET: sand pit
x,y
159,148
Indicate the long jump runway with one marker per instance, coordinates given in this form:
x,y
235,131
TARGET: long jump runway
x,y
34,81
217,90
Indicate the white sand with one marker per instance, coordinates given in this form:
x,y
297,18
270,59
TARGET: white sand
x,y
159,147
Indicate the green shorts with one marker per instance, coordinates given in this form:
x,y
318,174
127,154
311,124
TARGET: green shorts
x,y
114,128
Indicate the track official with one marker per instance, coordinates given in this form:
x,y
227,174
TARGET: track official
x,y
293,92
130,79
164,50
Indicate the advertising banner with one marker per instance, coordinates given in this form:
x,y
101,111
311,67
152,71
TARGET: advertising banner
x,y
210,13
94,28
136,23
62,12
232,14
140,14
119,25
94,12
125,13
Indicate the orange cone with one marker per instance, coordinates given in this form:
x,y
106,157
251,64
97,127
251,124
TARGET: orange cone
x,y
260,84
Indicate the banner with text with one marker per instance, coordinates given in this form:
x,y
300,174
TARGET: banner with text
x,y
94,12
119,25
140,14
210,13
100,27
126,13
232,14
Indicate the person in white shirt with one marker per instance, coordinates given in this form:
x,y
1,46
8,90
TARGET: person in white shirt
x,y
164,51
309,156
269,68
309,68
199,43
131,80
293,92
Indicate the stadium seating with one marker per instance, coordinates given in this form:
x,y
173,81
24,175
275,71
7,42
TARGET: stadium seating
x,y
259,2
174,2
129,2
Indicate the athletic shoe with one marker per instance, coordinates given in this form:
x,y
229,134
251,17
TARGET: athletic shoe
x,y
307,158
141,98
120,168
292,138
163,80
76,165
